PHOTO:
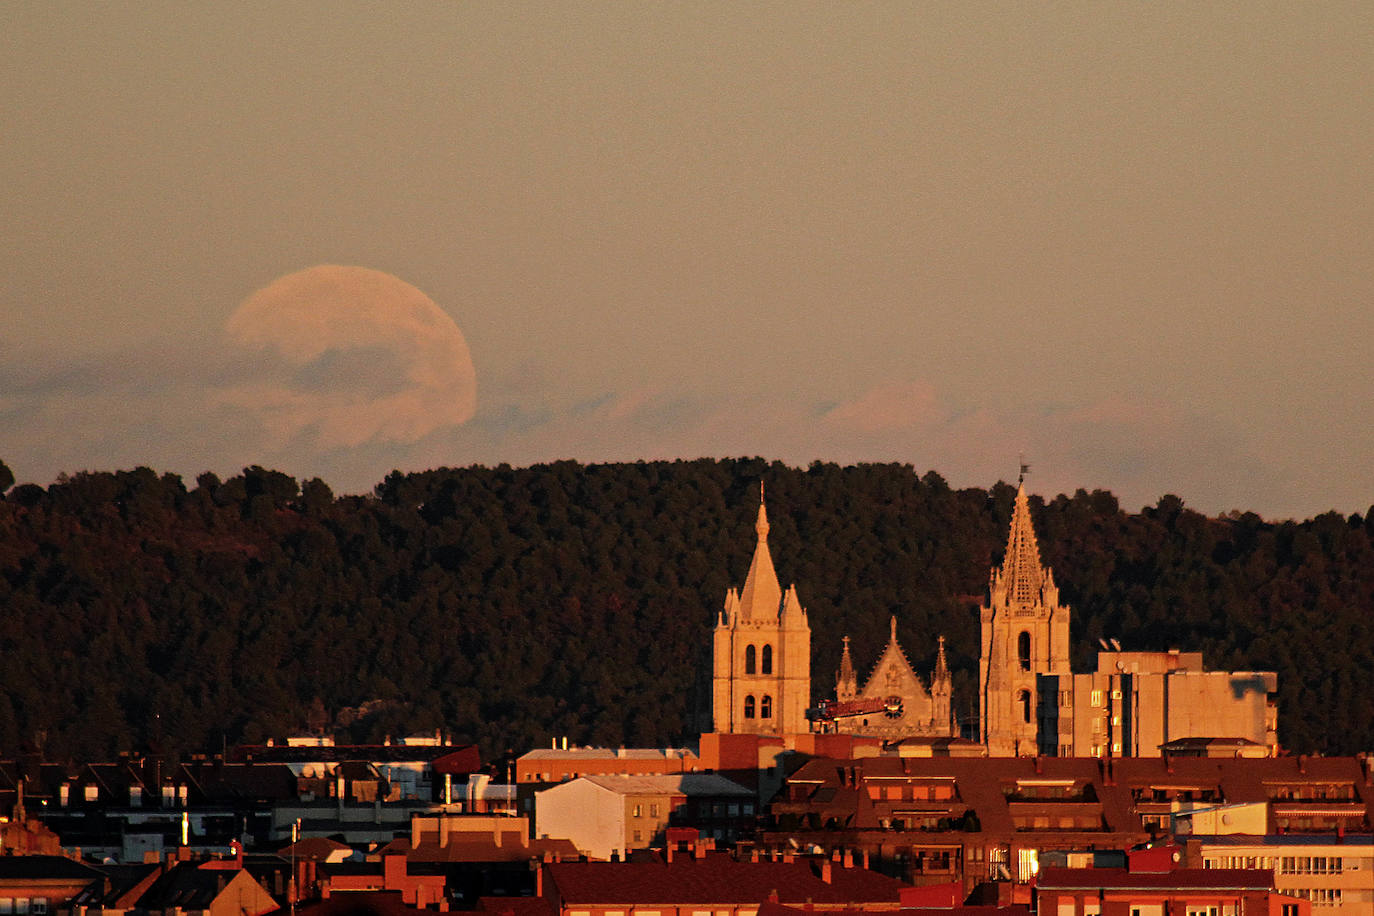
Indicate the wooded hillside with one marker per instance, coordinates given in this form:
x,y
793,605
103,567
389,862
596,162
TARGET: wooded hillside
x,y
510,605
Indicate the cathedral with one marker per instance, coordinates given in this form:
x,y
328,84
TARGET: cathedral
x,y
761,670
1029,700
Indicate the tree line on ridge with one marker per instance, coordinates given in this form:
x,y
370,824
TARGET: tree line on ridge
x,y
507,606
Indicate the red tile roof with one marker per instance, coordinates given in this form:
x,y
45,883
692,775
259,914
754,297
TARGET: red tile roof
x,y
516,906
718,878
1190,878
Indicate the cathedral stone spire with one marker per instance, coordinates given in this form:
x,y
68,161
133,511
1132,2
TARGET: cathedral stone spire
x,y
941,666
1025,634
1021,573
761,596
761,652
846,681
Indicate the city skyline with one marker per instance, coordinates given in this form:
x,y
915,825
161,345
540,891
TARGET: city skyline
x,y
1128,243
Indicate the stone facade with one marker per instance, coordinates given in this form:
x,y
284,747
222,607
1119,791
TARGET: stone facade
x,y
922,712
1025,634
761,659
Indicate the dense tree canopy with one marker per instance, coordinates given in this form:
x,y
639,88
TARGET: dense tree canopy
x,y
509,605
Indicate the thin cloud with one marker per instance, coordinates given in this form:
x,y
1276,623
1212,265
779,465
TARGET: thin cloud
x,y
890,406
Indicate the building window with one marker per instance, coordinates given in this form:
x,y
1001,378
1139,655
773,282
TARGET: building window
x,y
767,666
749,704
653,811
766,707
1024,698
1023,650
638,837
749,655
1096,698
639,811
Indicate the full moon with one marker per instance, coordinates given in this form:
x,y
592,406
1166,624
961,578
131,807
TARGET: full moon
x,y
368,358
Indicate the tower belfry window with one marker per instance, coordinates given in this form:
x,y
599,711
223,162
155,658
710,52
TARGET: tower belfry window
x,y
767,666
749,705
766,707
1023,650
1024,698
750,655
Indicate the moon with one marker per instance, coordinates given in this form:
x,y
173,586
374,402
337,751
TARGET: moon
x,y
359,356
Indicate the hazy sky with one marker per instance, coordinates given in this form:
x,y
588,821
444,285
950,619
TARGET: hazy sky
x,y
1132,241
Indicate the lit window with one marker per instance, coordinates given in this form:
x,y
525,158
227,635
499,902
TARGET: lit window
x,y
1096,698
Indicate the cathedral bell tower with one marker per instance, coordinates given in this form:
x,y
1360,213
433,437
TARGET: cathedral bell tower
x,y
1025,632
761,662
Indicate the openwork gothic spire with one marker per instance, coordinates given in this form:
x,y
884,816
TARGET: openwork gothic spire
x,y
1022,574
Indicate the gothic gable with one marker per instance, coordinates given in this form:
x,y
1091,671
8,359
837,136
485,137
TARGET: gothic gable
x,y
893,676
